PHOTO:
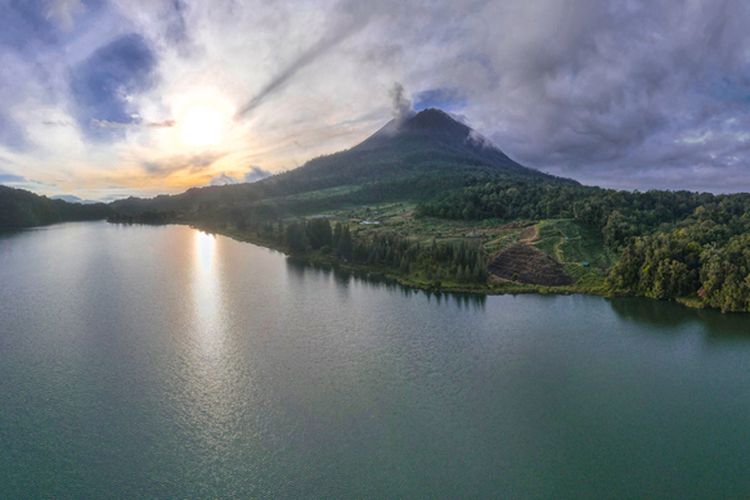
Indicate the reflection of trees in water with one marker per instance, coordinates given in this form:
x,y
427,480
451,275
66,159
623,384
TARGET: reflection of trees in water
x,y
301,269
9,233
671,315
462,300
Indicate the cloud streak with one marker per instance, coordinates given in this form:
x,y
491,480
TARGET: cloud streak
x,y
304,59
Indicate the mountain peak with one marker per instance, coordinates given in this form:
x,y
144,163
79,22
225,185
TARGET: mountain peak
x,y
429,123
431,136
436,122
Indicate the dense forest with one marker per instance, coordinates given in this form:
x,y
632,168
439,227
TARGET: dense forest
x,y
461,263
670,244
20,208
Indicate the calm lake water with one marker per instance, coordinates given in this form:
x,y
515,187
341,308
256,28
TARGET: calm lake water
x,y
166,362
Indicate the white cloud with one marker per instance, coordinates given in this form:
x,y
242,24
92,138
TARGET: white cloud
x,y
223,180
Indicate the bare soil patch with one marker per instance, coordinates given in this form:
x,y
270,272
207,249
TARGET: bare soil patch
x,y
528,235
527,264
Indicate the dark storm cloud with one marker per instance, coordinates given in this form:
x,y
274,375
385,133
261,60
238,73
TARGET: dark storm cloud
x,y
610,91
25,24
103,84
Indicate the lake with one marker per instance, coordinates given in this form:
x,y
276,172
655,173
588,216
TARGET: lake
x,y
167,362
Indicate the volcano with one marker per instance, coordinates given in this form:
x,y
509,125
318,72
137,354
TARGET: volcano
x,y
421,155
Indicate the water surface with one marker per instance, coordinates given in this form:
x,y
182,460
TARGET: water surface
x,y
166,362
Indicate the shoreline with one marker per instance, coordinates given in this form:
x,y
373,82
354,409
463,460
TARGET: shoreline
x,y
387,274
365,272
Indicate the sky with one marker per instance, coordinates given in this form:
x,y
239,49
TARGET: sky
x,y
103,99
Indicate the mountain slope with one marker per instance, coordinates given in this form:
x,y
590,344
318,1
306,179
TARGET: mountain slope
x,y
427,153
424,143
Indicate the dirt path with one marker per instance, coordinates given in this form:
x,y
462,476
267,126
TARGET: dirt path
x,y
529,235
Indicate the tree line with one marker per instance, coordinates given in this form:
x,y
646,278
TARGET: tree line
x,y
617,215
21,208
706,257
433,262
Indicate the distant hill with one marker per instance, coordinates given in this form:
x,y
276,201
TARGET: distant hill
x,y
73,199
20,208
423,155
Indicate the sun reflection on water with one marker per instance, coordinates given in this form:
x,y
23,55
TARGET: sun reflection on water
x,y
209,397
206,287
205,250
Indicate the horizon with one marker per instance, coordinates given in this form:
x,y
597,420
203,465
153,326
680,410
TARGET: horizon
x,y
406,115
107,99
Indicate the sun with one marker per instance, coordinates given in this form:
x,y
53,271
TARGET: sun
x,y
203,121
202,126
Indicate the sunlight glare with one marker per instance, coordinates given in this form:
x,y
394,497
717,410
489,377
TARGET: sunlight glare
x,y
205,245
206,289
203,120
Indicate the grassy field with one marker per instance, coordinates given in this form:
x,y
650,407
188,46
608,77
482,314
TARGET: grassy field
x,y
579,249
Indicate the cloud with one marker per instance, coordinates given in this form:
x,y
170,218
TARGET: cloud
x,y
26,25
11,133
161,124
197,163
64,12
57,123
222,180
135,122
176,26
11,179
609,96
104,84
478,139
448,99
256,173
334,36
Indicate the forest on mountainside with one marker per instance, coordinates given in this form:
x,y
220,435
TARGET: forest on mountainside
x,y
20,208
670,244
